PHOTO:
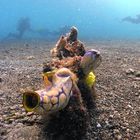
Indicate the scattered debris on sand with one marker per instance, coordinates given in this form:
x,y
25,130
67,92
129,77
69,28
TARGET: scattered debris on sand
x,y
115,114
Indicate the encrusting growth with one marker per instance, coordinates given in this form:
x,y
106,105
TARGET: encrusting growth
x,y
69,87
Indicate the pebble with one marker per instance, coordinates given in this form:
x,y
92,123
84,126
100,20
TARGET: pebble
x,y
24,113
127,130
137,94
129,106
33,118
123,128
17,114
126,124
107,123
28,76
13,107
21,105
30,57
29,113
119,137
23,110
99,125
111,116
116,131
5,116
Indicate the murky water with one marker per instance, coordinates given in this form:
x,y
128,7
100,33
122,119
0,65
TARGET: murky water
x,y
45,19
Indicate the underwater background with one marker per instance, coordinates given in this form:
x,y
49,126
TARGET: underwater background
x,y
30,33
47,19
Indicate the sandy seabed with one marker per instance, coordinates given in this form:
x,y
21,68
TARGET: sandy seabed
x,y
116,114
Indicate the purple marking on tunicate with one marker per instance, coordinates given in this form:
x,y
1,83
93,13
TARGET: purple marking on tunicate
x,y
41,103
57,102
64,92
63,75
87,54
95,52
60,92
42,93
48,88
92,51
50,96
69,84
41,99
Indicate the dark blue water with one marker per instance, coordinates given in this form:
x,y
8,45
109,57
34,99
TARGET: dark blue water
x,y
95,19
